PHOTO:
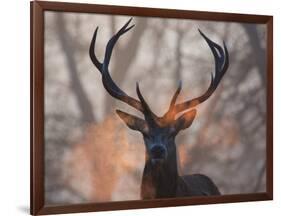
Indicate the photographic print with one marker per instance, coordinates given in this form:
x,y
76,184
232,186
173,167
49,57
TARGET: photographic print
x,y
140,107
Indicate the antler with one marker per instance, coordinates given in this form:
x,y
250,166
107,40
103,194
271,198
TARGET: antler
x,y
221,64
107,81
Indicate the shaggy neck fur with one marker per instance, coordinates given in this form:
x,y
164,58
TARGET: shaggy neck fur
x,y
160,180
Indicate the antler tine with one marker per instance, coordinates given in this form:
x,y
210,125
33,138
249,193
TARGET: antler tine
x,y
148,114
107,81
174,99
169,115
111,43
93,56
221,58
109,47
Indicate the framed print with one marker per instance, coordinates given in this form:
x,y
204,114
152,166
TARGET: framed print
x,y
142,107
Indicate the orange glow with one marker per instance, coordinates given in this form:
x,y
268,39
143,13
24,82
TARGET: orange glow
x,y
183,156
103,157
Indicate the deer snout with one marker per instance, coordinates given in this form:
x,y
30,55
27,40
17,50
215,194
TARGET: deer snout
x,y
158,152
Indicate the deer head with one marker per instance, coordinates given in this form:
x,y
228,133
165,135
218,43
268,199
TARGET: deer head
x,y
158,132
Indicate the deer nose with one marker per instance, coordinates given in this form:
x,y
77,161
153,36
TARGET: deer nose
x,y
158,152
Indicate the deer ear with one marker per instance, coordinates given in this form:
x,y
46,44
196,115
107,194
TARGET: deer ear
x,y
133,122
185,120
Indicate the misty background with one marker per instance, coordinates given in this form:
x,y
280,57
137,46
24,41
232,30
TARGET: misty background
x,y
91,156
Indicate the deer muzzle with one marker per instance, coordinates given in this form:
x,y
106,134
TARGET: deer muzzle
x,y
158,153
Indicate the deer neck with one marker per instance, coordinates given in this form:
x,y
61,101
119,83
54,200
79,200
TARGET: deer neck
x,y
159,181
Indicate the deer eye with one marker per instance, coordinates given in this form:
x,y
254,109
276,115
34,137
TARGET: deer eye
x,y
172,132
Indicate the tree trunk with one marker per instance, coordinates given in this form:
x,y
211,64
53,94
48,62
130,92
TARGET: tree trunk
x,y
87,115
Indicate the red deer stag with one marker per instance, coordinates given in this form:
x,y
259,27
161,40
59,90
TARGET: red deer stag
x,y
160,176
